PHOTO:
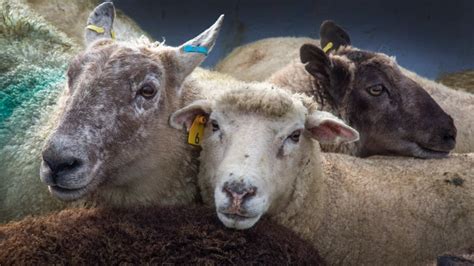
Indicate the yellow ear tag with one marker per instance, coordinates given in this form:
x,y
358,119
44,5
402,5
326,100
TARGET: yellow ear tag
x,y
95,28
197,130
328,47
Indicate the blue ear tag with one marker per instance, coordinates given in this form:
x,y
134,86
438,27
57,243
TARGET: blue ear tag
x,y
195,49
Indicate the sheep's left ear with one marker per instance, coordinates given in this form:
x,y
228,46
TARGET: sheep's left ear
x,y
100,23
185,116
328,129
193,52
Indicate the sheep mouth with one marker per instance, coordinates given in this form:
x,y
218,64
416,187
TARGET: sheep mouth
x,y
235,216
429,153
237,221
68,194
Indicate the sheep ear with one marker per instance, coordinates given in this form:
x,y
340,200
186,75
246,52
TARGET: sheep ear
x,y
328,129
332,75
333,36
317,63
193,52
185,116
100,23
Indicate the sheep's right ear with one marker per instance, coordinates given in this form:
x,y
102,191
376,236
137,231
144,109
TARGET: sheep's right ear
x,y
317,63
185,116
328,129
331,74
192,53
100,23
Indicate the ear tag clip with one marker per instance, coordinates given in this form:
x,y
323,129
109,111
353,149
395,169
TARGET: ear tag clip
x,y
197,130
95,28
328,47
195,49
100,30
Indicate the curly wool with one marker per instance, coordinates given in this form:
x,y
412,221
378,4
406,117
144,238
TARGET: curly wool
x,y
189,235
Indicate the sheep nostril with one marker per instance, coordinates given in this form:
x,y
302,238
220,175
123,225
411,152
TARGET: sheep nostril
x,y
238,192
58,164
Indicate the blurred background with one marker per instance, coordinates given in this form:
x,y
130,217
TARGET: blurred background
x,y
429,37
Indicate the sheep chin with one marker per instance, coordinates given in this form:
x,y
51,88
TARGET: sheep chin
x,y
239,223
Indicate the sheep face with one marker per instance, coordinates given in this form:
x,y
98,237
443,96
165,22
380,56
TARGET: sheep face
x,y
256,142
120,96
394,114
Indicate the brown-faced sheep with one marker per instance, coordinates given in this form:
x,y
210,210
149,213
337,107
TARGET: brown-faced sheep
x,y
188,235
278,65
259,157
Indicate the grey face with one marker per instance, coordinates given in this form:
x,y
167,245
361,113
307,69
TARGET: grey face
x,y
392,113
115,95
113,129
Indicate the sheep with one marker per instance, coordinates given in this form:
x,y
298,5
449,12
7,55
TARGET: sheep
x,y
463,257
288,72
70,17
259,158
463,80
151,167
172,235
34,57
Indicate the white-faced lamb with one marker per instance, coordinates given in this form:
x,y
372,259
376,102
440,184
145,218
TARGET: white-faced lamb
x,y
259,156
316,76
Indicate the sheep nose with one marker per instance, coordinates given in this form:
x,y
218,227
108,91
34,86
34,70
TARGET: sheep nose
x,y
449,136
238,192
58,164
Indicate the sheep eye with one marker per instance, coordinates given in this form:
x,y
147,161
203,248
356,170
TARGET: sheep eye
x,y
295,136
215,126
147,91
376,90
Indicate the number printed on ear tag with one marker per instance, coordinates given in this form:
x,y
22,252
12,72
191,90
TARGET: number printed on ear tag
x,y
197,130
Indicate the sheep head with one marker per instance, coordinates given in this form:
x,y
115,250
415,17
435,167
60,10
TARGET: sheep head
x,y
256,141
119,98
394,114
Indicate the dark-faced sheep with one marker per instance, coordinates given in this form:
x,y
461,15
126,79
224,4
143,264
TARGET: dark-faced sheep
x,y
279,63
188,235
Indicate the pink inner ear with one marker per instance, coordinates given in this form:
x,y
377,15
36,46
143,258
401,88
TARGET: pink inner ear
x,y
328,132
187,118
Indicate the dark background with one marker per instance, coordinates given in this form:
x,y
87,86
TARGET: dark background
x,y
429,37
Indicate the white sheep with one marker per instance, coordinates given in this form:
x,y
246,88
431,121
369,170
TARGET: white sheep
x,y
259,158
146,163
279,63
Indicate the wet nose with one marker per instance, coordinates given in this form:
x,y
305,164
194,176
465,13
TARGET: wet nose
x,y
239,192
58,163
